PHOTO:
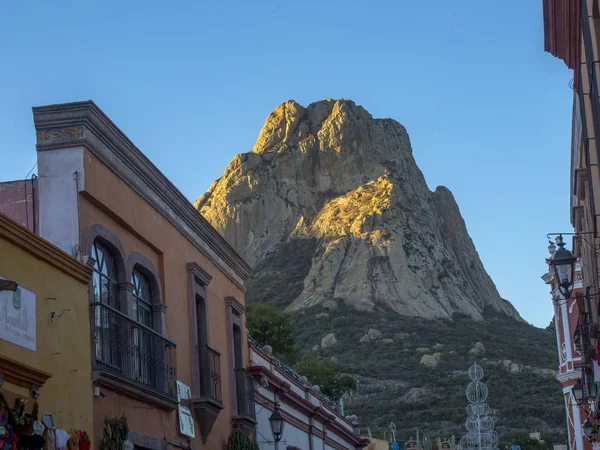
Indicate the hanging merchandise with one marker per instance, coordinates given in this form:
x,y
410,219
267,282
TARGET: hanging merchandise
x,y
79,440
18,426
8,439
62,439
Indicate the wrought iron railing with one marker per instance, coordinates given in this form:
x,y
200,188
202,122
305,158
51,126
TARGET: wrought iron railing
x,y
210,373
132,351
245,393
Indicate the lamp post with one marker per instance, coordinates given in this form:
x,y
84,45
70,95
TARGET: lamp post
x,y
277,423
563,264
577,391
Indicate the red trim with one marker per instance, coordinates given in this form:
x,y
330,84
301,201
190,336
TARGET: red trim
x,y
286,395
316,432
268,404
280,386
286,376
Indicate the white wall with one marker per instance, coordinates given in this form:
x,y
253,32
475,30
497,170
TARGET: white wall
x,y
291,435
61,177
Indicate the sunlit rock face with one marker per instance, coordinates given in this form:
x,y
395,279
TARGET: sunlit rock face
x,y
330,207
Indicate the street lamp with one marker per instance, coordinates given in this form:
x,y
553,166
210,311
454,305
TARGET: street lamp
x,y
577,391
563,263
277,423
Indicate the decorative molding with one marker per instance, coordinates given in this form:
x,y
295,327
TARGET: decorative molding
x,y
276,384
236,306
581,178
199,273
159,308
106,141
44,250
267,404
110,241
127,286
568,376
21,374
577,216
289,397
124,386
144,441
54,135
246,423
313,430
138,261
206,410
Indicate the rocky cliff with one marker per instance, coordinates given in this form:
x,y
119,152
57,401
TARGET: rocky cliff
x,y
330,208
379,272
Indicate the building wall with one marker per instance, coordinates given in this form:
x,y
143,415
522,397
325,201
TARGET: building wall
x,y
309,417
566,319
62,347
293,436
108,201
572,31
93,180
17,201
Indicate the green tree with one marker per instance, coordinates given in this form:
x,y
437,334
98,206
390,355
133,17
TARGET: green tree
x,y
239,441
327,375
115,433
270,327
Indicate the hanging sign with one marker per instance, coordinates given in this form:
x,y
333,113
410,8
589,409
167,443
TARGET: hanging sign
x,y
17,317
186,420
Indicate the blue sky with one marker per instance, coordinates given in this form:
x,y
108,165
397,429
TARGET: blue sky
x,y
191,83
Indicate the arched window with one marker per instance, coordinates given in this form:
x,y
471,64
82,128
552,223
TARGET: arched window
x,y
143,298
106,287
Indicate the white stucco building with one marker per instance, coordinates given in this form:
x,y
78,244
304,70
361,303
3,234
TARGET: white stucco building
x,y
311,422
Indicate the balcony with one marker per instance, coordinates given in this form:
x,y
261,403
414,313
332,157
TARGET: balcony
x,y
131,357
210,403
245,417
210,373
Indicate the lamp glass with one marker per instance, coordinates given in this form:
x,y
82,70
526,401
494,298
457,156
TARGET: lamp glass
x,y
565,273
277,423
563,263
578,391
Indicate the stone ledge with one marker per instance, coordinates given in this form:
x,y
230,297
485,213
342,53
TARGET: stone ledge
x,y
126,387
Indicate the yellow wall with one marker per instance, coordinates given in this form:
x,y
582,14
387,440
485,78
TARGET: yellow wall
x,y
63,348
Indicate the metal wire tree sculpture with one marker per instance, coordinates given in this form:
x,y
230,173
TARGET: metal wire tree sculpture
x,y
480,426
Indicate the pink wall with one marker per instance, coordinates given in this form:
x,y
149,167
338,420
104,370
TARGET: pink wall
x,y
17,202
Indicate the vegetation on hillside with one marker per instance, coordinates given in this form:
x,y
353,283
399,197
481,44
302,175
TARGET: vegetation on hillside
x,y
394,386
270,327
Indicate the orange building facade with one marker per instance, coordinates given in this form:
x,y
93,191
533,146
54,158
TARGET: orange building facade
x,y
166,301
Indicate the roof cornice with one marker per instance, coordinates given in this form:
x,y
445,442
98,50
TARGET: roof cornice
x,y
44,250
84,124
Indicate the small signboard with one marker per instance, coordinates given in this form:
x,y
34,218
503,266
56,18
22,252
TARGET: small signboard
x,y
17,317
186,419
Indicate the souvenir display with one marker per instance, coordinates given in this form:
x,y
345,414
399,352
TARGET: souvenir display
x,y
79,440
8,439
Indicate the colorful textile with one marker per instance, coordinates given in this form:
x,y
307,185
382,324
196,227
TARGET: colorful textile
x,y
62,438
8,439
